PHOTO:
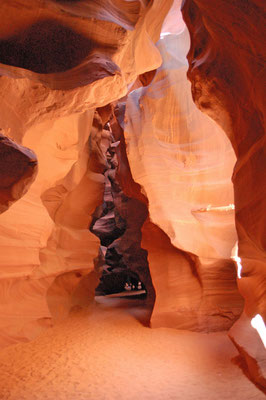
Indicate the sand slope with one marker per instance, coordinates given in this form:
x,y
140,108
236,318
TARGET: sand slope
x,y
106,354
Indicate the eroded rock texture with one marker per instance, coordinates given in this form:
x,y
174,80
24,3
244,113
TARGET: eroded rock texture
x,y
18,168
226,69
183,162
191,292
59,61
44,234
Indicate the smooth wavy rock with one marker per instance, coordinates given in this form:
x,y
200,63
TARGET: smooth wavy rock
x,y
191,292
182,159
39,240
82,51
226,68
59,61
183,162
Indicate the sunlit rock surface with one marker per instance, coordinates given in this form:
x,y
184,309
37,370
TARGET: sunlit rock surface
x,y
88,55
250,349
182,159
38,240
191,292
62,59
184,162
59,60
226,69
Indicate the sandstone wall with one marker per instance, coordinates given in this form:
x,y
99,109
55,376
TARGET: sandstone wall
x,y
183,162
59,61
226,69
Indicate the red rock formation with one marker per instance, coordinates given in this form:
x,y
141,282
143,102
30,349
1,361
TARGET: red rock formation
x,y
18,169
181,158
62,59
45,234
227,70
191,293
59,61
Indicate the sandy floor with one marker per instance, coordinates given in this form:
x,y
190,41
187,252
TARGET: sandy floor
x,y
106,354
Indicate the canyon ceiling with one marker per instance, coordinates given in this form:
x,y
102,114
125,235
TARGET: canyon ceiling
x,y
185,85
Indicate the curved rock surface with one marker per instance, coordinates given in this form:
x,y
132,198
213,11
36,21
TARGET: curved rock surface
x,y
37,241
183,162
226,68
59,61
182,159
18,169
191,292
62,59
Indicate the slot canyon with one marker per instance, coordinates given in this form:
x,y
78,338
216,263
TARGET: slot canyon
x,y
132,200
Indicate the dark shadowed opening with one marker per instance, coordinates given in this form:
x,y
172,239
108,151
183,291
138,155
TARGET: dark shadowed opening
x,y
46,47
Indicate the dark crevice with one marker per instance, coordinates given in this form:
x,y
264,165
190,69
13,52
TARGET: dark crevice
x,y
117,222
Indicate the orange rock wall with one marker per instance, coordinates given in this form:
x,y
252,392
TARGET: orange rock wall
x,y
183,162
59,61
227,71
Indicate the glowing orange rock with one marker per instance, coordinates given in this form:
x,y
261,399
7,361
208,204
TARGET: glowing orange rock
x,y
226,69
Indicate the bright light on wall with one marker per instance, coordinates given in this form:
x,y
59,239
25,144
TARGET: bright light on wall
x,y
237,259
162,35
258,324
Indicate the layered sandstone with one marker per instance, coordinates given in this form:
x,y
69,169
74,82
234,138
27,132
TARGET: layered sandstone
x,y
226,69
184,162
59,61
18,168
